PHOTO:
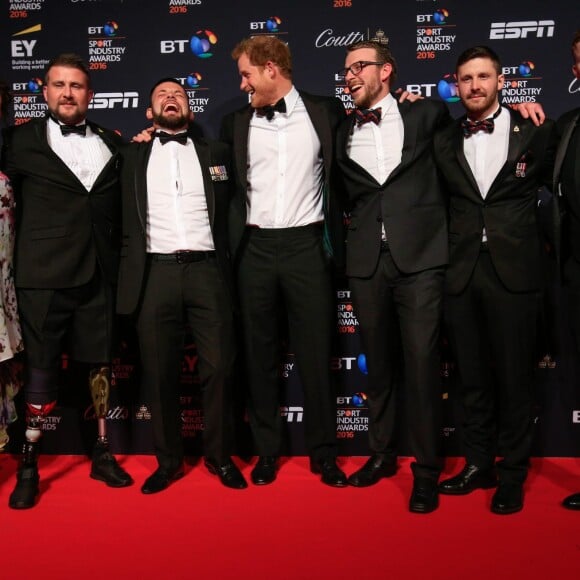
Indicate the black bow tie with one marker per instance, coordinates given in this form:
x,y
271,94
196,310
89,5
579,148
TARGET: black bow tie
x,y
269,110
486,125
368,116
166,137
78,129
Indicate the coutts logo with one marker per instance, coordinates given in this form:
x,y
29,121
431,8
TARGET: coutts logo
x,y
327,38
114,414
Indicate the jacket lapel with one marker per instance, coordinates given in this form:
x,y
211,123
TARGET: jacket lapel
x,y
203,154
518,136
457,146
344,132
140,182
241,132
562,148
318,118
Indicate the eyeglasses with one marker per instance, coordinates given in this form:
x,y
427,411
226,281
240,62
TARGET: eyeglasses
x,y
356,67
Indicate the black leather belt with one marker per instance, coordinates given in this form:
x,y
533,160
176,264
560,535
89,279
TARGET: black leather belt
x,y
183,257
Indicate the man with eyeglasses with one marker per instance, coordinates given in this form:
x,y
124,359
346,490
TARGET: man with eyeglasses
x,y
396,254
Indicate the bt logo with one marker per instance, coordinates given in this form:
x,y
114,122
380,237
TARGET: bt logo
x,y
34,85
447,88
108,29
193,80
439,17
200,43
271,25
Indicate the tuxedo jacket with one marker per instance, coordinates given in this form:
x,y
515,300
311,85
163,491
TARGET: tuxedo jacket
x,y
132,271
62,230
410,203
566,180
508,212
325,114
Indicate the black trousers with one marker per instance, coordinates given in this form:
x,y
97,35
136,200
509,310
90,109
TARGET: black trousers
x,y
288,264
492,332
395,310
177,296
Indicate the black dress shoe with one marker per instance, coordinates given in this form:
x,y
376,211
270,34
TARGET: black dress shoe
x,y
105,468
228,473
424,497
264,471
331,473
508,499
160,480
572,502
372,471
26,491
468,479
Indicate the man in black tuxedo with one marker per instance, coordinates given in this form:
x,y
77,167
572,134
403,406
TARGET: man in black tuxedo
x,y
493,161
567,183
174,273
396,253
65,176
285,224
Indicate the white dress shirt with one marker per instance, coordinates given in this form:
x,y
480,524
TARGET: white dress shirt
x,y
285,168
85,156
487,153
177,214
378,148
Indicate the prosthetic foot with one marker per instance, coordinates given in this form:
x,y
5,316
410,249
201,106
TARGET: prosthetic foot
x,y
26,491
104,467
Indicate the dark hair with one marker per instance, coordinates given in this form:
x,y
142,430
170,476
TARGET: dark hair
x,y
164,80
382,51
261,49
479,52
69,60
5,98
575,41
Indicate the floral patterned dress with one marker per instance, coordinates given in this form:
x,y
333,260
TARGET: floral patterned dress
x,y
10,336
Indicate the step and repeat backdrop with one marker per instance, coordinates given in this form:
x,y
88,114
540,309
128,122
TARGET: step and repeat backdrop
x,y
129,44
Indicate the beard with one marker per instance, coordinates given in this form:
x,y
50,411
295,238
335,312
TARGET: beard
x,y
172,122
72,118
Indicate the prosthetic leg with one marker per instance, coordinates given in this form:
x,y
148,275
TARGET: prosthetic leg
x,y
104,466
27,479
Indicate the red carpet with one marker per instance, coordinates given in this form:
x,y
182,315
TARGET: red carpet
x,y
294,528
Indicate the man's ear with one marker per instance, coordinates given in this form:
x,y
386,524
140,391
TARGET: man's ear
x,y
149,114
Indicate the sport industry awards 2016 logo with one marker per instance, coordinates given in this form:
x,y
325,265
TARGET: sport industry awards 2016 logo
x,y
519,84
27,101
433,34
105,45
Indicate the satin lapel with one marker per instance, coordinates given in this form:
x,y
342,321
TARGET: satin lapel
x,y
319,119
562,148
410,128
344,133
457,146
519,134
140,181
241,131
112,163
41,132
203,154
